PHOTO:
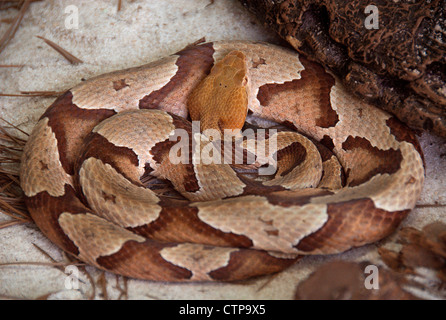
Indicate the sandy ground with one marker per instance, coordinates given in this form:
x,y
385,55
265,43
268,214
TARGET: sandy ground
x,y
108,40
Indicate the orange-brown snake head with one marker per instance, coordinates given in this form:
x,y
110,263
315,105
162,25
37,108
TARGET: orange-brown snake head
x,y
220,101
106,178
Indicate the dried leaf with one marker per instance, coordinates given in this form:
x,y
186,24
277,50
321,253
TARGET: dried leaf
x,y
340,280
422,250
391,259
413,256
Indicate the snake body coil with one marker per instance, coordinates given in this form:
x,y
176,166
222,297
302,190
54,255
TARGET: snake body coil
x,y
97,166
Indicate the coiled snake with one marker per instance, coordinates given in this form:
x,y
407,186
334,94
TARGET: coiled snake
x,y
108,178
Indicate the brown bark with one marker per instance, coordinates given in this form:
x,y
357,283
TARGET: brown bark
x,y
399,67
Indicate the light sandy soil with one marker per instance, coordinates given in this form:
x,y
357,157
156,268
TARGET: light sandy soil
x,y
108,40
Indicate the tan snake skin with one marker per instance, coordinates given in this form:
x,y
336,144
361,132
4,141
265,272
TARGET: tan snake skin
x,y
98,176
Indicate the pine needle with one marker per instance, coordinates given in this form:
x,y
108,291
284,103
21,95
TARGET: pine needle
x,y
41,93
17,140
44,264
9,34
11,65
10,223
12,201
430,205
32,94
71,58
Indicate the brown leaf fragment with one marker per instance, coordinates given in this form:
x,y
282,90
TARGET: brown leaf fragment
x,y
432,237
436,231
391,258
423,255
413,256
340,280
410,235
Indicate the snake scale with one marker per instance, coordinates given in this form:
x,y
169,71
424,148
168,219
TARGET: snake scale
x,y
100,182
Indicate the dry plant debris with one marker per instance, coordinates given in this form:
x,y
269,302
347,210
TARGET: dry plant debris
x,y
421,250
12,201
422,255
9,34
416,271
71,58
32,94
341,280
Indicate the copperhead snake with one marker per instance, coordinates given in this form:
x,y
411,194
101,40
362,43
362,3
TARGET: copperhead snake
x,y
99,181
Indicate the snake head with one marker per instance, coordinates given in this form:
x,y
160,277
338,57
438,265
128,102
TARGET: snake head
x,y
220,101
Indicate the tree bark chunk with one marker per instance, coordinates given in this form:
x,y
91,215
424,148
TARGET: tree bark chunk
x,y
399,67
